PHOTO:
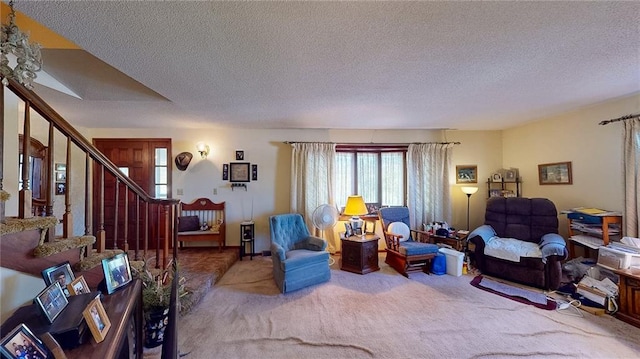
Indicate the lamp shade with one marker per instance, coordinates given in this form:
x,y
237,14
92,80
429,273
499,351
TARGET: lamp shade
x,y
469,190
355,206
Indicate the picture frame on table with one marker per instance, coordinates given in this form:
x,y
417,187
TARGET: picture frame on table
x,y
495,192
78,286
348,231
117,272
239,172
510,175
496,177
20,342
60,273
97,319
51,301
466,174
555,173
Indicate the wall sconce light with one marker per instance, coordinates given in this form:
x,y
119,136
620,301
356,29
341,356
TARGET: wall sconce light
x,y
203,148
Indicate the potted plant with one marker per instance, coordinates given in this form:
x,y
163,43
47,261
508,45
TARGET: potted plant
x,y
156,295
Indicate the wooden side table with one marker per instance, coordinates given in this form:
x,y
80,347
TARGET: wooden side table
x,y
360,254
629,299
457,241
247,238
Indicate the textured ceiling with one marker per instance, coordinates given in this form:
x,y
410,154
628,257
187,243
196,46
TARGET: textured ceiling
x,y
382,65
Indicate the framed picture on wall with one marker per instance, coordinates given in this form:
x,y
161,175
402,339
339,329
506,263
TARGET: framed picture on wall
x,y
239,172
225,172
555,173
467,174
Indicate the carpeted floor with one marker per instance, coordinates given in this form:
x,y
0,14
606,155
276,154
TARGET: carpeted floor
x,y
385,315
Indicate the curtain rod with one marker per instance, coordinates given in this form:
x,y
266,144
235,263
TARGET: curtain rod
x,y
376,144
623,118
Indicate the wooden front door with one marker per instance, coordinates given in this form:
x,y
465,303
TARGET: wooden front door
x,y
137,158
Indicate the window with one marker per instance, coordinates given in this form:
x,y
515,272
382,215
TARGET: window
x,y
377,173
161,178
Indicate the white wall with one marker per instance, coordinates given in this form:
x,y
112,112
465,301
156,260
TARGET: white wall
x,y
17,289
266,148
595,153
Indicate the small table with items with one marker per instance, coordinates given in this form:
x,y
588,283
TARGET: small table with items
x,y
360,254
457,240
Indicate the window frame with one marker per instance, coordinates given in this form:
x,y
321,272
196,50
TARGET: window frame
x,y
379,149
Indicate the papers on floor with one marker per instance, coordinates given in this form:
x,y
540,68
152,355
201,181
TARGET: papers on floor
x,y
597,290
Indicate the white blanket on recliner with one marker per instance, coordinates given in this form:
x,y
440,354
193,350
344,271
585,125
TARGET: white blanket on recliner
x,y
511,249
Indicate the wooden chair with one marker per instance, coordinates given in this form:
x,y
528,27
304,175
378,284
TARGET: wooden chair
x,y
407,249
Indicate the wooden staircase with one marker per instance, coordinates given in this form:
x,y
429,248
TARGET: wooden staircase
x,y
29,243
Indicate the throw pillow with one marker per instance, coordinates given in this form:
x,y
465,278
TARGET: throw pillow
x,y
188,223
400,228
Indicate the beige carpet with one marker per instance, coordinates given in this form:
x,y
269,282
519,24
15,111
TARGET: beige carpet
x,y
385,315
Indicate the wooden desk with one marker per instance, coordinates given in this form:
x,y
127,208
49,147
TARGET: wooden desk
x,y
629,298
360,254
124,339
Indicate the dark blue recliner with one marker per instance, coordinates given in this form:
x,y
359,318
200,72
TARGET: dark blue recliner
x,y
299,259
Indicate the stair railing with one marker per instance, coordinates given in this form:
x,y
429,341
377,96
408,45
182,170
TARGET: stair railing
x,y
167,208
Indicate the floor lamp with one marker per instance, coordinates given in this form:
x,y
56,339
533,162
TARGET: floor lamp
x,y
469,191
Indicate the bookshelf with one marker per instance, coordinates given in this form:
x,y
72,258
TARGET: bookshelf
x,y
502,188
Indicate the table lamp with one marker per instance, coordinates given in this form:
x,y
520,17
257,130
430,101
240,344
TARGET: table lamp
x,y
469,191
356,207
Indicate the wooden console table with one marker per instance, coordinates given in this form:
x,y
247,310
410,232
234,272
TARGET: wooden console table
x,y
629,296
360,254
124,339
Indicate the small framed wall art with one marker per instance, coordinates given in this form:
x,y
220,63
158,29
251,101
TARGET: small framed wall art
x,y
254,172
239,172
555,173
467,174
239,155
225,172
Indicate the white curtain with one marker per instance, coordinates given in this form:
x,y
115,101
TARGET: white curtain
x,y
631,179
312,182
428,195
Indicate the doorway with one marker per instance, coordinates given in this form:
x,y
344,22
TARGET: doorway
x,y
147,163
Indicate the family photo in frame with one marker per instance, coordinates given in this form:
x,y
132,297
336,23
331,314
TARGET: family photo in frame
x,y
97,320
52,301
78,286
22,343
60,273
117,272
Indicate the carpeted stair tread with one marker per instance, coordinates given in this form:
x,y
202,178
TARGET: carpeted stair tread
x,y
14,224
61,245
95,259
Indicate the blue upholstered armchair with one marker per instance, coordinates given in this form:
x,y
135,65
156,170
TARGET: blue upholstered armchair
x,y
299,259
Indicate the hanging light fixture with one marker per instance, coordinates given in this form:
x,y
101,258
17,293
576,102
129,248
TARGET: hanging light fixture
x,y
16,43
